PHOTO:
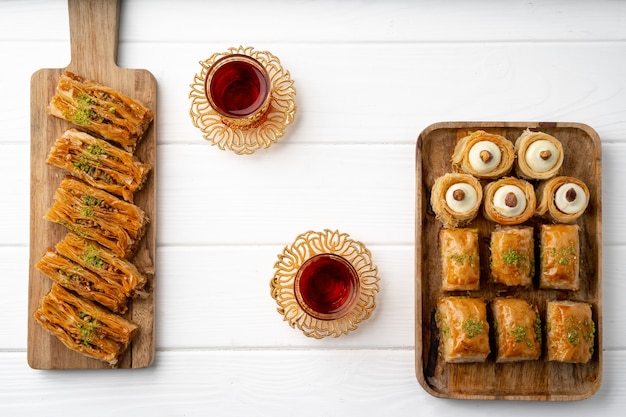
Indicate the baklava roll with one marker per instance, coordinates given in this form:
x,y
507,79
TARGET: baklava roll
x,y
484,155
560,257
101,110
570,333
517,327
463,328
562,199
512,255
509,201
85,327
456,198
459,259
539,155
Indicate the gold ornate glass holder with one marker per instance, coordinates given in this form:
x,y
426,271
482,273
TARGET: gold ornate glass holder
x,y
294,256
262,133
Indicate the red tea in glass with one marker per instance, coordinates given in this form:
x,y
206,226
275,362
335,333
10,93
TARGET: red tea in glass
x,y
238,87
326,286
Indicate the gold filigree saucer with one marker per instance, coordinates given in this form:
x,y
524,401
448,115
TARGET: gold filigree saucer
x,y
264,132
288,270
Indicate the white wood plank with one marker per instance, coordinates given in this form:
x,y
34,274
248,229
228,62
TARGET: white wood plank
x,y
209,197
15,201
275,382
222,296
329,21
343,95
213,197
379,93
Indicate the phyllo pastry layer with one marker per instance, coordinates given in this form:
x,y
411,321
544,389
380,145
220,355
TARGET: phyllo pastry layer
x,y
99,163
513,255
517,328
560,257
456,199
99,216
101,110
463,328
84,327
539,155
93,272
484,155
570,331
460,261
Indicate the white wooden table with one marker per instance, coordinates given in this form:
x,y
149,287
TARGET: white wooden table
x,y
370,76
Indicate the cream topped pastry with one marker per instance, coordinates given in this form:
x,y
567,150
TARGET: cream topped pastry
x,y
509,200
485,156
461,197
570,198
542,155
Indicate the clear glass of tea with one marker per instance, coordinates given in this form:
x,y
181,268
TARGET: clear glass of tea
x,y
238,88
327,286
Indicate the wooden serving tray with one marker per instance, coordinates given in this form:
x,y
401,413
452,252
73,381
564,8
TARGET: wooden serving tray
x,y
93,38
538,380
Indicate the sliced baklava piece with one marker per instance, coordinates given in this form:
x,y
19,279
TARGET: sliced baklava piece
x,y
517,327
560,257
539,155
85,283
85,327
97,215
99,163
105,263
509,201
101,110
570,334
484,155
460,262
456,199
463,329
512,255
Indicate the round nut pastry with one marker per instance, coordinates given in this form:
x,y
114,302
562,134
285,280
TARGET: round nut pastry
x,y
562,199
484,155
456,199
509,201
539,155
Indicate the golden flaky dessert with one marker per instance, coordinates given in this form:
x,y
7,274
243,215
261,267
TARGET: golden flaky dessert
x,y
512,258
97,215
484,155
93,272
85,327
456,199
99,163
101,110
562,199
517,328
560,257
570,331
539,155
509,201
463,328
460,260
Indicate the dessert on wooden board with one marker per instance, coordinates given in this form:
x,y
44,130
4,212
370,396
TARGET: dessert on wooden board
x,y
92,270
512,261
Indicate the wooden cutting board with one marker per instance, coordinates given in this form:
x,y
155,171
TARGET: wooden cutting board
x,y
537,380
94,38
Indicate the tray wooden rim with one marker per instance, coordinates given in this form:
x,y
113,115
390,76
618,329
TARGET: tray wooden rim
x,y
421,202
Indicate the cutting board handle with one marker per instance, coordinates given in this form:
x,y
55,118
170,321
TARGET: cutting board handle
x,y
94,28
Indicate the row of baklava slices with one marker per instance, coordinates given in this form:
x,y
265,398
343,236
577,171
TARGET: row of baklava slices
x,y
92,269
